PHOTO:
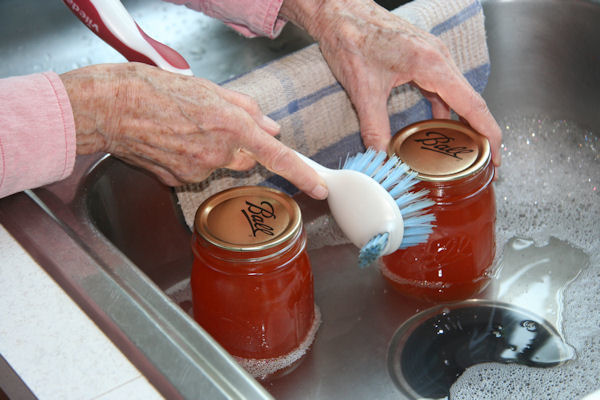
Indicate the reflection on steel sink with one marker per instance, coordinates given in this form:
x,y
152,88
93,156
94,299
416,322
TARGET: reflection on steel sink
x,y
115,239
140,216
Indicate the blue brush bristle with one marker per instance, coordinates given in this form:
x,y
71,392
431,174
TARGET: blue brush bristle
x,y
372,250
395,177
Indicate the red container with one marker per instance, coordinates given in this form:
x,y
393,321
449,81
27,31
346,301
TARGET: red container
x,y
252,283
453,163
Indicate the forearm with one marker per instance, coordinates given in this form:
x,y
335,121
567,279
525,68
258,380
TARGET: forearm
x,y
302,13
91,96
320,17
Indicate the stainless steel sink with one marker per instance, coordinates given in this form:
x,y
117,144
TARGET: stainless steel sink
x,y
115,239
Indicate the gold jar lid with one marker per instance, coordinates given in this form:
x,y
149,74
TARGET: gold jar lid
x,y
441,150
248,218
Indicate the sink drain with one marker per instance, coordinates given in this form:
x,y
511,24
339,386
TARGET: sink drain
x,y
432,349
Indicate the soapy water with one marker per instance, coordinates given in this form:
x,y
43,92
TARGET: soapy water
x,y
262,369
519,324
322,232
435,347
549,191
275,367
181,293
535,277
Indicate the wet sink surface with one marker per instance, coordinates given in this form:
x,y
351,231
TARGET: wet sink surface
x,y
135,243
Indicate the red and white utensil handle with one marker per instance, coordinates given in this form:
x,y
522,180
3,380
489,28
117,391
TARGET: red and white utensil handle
x,y
111,21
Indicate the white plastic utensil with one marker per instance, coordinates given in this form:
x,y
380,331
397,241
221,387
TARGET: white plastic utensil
x,y
361,207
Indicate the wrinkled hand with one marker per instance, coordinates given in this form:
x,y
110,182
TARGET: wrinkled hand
x,y
178,127
370,51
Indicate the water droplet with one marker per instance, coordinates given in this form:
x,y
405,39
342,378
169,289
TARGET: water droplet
x,y
531,326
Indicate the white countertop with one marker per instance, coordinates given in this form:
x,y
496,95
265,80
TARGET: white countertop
x,y
54,347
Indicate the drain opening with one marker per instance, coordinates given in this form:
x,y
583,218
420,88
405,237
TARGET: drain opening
x,y
432,349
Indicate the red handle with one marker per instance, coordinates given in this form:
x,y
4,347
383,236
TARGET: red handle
x,y
112,23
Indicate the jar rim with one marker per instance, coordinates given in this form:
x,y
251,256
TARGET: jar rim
x,y
441,150
248,219
462,189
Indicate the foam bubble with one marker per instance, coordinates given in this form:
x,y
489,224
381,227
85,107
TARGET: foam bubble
x,y
324,231
181,293
263,368
549,185
417,283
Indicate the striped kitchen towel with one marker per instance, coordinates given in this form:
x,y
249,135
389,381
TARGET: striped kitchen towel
x,y
317,117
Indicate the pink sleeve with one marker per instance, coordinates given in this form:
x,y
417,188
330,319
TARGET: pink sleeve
x,y
37,132
248,17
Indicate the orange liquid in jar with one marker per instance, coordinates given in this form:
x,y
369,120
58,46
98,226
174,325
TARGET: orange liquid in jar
x,y
254,309
453,163
455,262
252,282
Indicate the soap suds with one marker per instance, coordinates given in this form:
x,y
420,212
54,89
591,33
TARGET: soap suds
x,y
549,185
259,368
263,368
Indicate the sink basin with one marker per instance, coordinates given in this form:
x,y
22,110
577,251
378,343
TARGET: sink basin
x,y
115,238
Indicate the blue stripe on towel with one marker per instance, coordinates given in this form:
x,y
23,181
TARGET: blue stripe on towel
x,y
477,77
419,112
287,83
457,19
303,102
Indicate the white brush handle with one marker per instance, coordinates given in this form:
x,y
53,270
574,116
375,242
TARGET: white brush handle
x,y
361,207
314,165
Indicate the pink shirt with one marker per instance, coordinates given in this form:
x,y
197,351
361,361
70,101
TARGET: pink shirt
x,y
37,129
37,132
250,18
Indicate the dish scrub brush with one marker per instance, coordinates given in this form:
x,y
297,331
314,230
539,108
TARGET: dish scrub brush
x,y
371,201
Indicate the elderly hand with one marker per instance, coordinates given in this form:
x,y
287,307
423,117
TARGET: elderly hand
x,y
178,127
370,51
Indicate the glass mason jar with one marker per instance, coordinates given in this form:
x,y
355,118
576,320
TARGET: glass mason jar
x,y
251,281
453,163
